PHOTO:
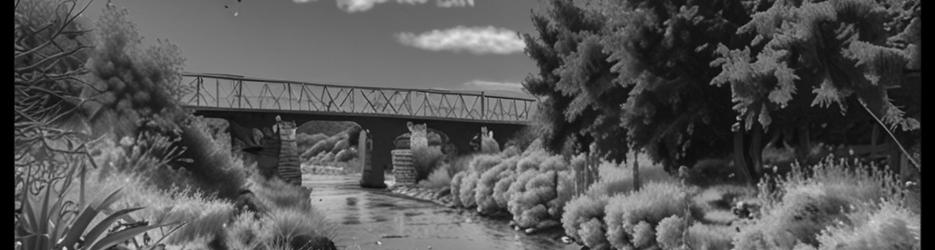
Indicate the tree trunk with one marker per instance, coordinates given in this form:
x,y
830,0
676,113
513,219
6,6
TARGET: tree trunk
x,y
636,173
756,151
804,144
740,162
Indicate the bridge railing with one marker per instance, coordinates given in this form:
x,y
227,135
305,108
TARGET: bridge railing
x,y
233,92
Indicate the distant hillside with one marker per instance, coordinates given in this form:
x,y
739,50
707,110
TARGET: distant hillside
x,y
325,127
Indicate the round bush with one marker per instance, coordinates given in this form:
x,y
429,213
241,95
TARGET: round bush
x,y
652,203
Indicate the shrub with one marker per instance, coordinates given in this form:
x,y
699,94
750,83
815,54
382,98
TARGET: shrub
x,y
588,210
456,182
593,234
538,197
802,214
888,226
426,159
214,170
438,179
459,164
654,202
287,224
204,219
484,191
247,232
805,202
466,189
278,194
501,189
669,232
643,235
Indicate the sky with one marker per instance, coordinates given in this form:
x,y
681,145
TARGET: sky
x,y
441,44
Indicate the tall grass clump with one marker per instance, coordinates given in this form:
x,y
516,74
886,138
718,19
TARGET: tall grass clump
x,y
795,208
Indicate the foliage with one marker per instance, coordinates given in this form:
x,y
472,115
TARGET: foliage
x,y
669,232
583,221
887,226
50,48
654,202
426,159
438,179
132,86
846,52
806,202
660,52
60,224
579,103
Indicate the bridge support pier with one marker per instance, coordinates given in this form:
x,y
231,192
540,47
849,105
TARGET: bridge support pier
x,y
371,175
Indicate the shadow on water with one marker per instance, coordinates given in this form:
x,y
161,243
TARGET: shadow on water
x,y
373,219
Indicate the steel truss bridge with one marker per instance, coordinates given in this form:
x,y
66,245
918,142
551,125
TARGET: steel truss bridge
x,y
218,92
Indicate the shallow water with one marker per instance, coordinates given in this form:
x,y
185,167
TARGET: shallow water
x,y
377,219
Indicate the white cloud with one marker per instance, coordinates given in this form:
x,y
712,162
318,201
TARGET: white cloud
x,y
477,40
485,85
365,5
455,3
303,1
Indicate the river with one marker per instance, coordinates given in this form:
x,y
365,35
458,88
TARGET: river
x,y
377,219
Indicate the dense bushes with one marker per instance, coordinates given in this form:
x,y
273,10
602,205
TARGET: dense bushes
x,y
531,185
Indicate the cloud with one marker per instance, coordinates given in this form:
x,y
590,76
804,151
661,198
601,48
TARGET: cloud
x,y
303,1
488,85
352,6
476,40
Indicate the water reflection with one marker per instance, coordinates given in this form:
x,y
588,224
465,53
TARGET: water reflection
x,y
371,219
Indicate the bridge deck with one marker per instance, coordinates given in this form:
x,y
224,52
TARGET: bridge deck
x,y
233,93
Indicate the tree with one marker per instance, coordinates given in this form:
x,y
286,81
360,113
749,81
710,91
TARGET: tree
x,y
660,51
579,103
846,52
638,80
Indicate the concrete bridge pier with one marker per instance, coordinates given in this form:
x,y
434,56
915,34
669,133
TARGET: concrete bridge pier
x,y
371,175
